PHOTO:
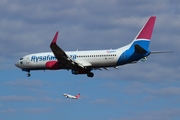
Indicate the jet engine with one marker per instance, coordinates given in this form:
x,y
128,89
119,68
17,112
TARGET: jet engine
x,y
82,71
79,72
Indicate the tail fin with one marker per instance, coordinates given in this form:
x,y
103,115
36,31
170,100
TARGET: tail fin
x,y
78,96
143,37
147,29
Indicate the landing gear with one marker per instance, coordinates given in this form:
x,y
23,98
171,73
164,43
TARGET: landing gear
x,y
90,74
83,71
28,74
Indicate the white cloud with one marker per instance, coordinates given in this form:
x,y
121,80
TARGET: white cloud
x,y
25,83
17,98
8,111
37,110
105,101
169,91
46,99
111,86
138,88
164,114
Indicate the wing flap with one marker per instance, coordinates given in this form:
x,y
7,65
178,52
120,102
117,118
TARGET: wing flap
x,y
84,63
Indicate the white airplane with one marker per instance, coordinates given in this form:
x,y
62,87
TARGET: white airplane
x,y
71,96
83,62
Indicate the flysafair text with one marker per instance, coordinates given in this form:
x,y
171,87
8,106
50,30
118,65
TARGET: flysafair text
x,y
35,58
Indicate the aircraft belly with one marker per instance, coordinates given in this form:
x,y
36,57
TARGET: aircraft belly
x,y
103,62
38,65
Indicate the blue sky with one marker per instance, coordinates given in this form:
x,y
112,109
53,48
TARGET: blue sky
x,y
147,90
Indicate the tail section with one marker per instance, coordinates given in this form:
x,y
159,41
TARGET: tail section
x,y
143,37
139,47
77,96
146,31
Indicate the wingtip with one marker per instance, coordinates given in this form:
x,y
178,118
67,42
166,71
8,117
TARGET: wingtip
x,y
55,38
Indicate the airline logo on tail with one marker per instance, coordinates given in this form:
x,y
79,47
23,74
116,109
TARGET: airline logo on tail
x,y
146,31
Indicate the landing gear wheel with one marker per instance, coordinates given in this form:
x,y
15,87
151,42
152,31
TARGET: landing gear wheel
x,y
90,74
28,74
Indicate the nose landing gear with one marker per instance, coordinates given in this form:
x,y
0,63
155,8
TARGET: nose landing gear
x,y
28,74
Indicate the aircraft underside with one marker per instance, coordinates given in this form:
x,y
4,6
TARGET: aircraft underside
x,y
73,71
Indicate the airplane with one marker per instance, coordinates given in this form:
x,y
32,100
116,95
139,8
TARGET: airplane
x,y
83,62
71,96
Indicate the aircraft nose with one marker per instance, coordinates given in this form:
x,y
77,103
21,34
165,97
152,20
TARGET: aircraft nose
x,y
17,64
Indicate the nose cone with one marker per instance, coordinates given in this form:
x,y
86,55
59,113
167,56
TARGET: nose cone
x,y
17,64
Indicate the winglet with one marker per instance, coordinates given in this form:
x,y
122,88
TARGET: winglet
x,y
146,31
55,38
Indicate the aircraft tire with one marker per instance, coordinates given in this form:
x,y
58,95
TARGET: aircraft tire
x,y
90,74
28,75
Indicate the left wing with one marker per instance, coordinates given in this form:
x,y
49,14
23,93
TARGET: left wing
x,y
61,56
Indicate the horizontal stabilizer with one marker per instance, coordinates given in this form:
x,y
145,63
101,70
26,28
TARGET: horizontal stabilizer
x,y
139,49
156,52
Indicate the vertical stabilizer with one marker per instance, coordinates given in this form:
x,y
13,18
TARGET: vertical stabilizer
x,y
147,29
143,37
77,96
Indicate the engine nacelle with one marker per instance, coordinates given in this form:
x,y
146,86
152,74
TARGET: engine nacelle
x,y
80,72
52,65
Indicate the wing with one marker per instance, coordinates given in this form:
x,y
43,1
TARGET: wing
x,y
62,57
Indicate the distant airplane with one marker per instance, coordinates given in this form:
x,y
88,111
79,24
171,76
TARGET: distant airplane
x,y
71,96
83,62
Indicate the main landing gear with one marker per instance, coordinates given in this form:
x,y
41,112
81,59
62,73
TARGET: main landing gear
x,y
90,74
82,71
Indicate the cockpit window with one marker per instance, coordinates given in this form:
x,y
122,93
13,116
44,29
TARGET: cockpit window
x,y
21,58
